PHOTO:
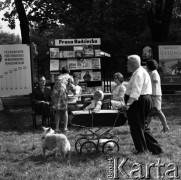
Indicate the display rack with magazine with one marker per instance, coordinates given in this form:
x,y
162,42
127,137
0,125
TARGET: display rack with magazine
x,y
80,56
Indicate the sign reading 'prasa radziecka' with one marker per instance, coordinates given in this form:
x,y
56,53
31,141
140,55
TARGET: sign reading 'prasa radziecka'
x,y
70,42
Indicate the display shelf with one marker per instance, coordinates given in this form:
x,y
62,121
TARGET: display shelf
x,y
80,56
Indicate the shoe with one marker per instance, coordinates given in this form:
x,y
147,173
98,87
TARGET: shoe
x,y
65,130
138,152
165,129
157,152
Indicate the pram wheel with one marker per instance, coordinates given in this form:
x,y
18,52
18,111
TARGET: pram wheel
x,y
88,147
79,136
110,147
79,143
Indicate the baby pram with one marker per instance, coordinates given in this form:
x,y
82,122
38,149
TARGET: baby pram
x,y
97,127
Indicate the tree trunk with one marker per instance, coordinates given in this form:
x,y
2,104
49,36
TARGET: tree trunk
x,y
159,16
24,24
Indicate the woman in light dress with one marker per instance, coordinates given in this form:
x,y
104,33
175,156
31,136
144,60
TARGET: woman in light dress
x,y
152,67
118,92
59,97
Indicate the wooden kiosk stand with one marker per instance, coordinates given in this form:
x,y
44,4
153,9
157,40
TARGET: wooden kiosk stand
x,y
82,57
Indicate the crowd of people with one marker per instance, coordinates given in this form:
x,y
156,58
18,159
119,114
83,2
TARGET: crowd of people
x,y
142,95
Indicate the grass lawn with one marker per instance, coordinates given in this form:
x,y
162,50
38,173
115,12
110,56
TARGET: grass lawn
x,y
21,154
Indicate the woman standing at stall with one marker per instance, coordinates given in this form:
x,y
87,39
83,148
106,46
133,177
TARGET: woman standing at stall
x,y
59,96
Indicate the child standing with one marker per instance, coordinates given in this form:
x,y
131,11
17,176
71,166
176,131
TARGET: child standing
x,y
152,67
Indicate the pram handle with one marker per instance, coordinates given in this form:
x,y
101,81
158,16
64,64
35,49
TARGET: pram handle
x,y
102,111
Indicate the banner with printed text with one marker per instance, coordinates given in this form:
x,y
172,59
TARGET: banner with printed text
x,y
170,64
15,70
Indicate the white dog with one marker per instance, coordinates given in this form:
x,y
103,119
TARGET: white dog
x,y
55,142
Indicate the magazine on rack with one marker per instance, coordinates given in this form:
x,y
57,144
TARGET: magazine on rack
x,y
67,54
78,51
97,53
96,76
86,75
54,53
96,63
84,64
88,50
54,64
72,64
63,64
78,74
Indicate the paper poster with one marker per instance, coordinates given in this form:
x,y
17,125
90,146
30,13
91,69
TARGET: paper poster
x,y
78,51
62,64
96,76
62,54
97,52
96,63
54,65
72,64
78,74
54,53
88,50
86,75
15,70
84,64
80,63
170,64
67,54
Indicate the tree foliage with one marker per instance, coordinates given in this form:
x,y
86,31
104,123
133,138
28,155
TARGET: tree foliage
x,y
9,38
119,23
159,15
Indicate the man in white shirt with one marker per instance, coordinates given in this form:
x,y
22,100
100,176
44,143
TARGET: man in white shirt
x,y
138,106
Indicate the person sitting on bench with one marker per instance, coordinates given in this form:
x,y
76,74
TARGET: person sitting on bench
x,y
119,89
41,99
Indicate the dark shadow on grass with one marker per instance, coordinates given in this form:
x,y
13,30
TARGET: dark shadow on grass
x,y
40,159
75,160
18,120
78,158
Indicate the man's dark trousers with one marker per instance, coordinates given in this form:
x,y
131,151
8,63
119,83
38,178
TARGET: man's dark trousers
x,y
141,135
